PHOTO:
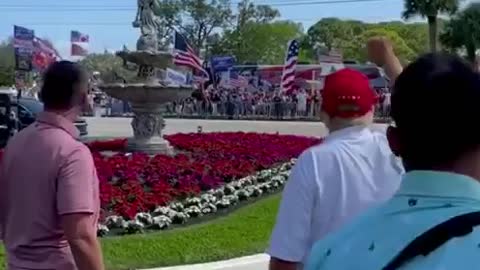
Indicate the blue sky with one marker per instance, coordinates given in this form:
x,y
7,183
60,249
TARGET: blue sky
x,y
108,22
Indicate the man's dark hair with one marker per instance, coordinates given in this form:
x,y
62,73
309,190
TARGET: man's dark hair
x,y
435,105
60,82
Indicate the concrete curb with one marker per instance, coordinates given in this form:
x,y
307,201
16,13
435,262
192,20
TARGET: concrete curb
x,y
255,262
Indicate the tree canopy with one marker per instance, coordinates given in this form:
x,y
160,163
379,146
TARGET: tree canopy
x,y
462,32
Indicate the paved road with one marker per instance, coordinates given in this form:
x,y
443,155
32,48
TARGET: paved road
x,y
120,127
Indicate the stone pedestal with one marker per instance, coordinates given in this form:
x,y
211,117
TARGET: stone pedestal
x,y
147,125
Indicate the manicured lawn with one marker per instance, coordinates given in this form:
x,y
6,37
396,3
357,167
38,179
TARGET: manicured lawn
x,y
243,232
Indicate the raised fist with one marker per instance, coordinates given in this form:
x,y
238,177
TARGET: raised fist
x,y
379,49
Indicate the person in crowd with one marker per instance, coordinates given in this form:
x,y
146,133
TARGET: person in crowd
x,y
49,195
302,103
352,170
277,105
431,221
215,102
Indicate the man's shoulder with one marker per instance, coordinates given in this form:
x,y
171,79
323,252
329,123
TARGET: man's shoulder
x,y
323,151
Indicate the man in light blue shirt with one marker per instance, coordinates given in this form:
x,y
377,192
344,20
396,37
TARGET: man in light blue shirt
x,y
441,183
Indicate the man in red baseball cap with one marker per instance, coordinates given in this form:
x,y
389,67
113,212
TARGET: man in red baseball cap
x,y
352,170
347,99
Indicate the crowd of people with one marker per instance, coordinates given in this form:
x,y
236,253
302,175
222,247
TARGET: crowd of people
x,y
242,104
407,198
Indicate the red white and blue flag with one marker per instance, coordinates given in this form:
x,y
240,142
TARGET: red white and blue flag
x,y
44,53
237,81
78,37
184,55
79,43
288,75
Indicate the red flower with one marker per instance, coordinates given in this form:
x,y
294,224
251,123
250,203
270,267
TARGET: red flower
x,y
137,182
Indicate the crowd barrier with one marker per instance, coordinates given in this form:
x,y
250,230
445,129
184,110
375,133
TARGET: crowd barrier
x,y
235,110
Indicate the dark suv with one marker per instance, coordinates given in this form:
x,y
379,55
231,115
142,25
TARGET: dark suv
x,y
28,108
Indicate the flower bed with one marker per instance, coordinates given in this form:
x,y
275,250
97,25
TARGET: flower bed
x,y
211,171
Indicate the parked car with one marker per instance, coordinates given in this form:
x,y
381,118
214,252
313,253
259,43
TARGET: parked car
x,y
377,77
28,108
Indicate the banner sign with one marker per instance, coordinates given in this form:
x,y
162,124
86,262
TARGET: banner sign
x,y
222,63
23,44
176,78
20,79
23,59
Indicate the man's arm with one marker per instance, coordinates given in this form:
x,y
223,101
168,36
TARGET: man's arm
x,y
77,207
82,238
291,237
380,51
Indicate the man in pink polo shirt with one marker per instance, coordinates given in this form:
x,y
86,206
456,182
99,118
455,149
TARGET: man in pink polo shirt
x,y
49,195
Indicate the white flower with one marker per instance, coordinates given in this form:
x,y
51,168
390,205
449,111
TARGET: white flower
x,y
208,208
219,193
161,210
134,226
177,206
145,218
242,194
193,201
223,203
180,218
207,198
257,192
102,230
115,222
233,199
229,189
161,222
193,211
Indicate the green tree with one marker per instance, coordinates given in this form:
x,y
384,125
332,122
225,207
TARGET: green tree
x,y
346,36
415,35
462,32
110,66
430,9
248,12
7,63
404,53
333,33
263,43
198,19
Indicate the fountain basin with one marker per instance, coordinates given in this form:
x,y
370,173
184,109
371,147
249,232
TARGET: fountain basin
x,y
147,58
146,101
146,93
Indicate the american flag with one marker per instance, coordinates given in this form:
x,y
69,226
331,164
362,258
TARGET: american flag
x,y
238,81
185,55
78,37
288,76
44,53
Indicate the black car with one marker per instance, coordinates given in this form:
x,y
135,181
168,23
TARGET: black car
x,y
28,108
376,76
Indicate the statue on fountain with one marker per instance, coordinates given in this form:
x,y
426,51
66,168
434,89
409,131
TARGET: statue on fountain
x,y
149,91
148,20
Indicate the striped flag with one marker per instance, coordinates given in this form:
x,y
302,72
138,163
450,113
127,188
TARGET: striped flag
x,y
185,55
288,76
237,81
79,42
78,37
43,53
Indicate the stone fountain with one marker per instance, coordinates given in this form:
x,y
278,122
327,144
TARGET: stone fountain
x,y
147,96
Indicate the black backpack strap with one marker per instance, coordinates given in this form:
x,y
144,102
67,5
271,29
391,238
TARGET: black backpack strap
x,y
435,237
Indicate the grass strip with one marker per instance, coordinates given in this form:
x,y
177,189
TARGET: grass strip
x,y
245,231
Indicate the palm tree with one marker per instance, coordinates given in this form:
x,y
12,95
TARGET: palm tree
x,y
462,32
430,9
